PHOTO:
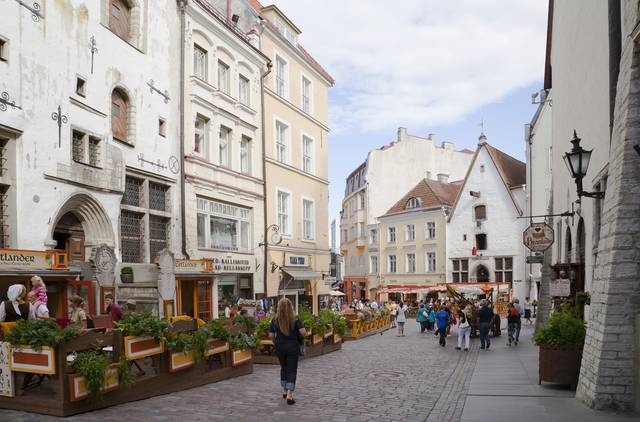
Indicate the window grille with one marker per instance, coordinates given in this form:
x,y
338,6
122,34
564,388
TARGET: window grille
x,y
158,196
3,157
78,146
4,218
132,236
94,151
132,192
158,234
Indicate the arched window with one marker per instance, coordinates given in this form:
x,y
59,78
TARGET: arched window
x,y
120,18
413,203
568,246
119,115
580,240
480,212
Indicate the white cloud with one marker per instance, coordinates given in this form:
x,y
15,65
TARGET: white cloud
x,y
420,63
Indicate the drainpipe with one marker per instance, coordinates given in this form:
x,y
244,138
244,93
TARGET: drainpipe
x,y
183,209
264,174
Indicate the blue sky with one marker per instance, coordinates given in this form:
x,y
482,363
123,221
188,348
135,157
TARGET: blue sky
x,y
431,66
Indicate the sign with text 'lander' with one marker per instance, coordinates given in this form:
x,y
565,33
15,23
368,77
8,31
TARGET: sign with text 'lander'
x,y
538,237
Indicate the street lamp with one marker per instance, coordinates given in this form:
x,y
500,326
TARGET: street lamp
x,y
577,161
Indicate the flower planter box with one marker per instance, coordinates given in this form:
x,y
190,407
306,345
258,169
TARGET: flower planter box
x,y
238,357
316,339
328,334
78,383
266,341
337,339
180,360
560,365
26,359
216,346
141,347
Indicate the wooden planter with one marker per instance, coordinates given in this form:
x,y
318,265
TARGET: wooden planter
x,y
316,339
266,341
180,360
238,357
26,359
141,347
216,346
78,383
328,334
337,339
560,365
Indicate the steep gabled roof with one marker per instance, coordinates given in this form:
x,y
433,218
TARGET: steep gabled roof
x,y
512,171
430,193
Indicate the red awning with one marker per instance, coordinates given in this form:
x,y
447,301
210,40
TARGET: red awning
x,y
406,288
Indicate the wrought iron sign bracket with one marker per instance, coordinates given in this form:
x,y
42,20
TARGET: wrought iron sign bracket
x,y
5,100
157,164
35,10
93,49
62,120
164,94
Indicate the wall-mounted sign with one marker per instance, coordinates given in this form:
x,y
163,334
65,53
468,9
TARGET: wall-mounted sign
x,y
233,264
291,260
192,266
538,237
560,287
17,259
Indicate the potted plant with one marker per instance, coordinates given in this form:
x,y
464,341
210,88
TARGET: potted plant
x,y
246,323
94,376
262,332
339,327
144,334
560,340
126,274
320,327
33,344
215,336
241,345
326,315
181,347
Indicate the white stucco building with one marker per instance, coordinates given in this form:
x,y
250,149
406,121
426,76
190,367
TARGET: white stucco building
x,y
387,174
89,142
484,234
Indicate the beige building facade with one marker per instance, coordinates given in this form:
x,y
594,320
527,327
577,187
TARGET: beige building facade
x,y
296,151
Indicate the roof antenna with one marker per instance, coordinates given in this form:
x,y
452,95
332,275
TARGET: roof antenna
x,y
482,138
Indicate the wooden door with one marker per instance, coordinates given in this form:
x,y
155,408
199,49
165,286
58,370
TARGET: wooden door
x,y
75,246
119,18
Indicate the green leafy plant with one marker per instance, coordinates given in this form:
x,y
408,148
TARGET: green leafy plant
x,y
563,329
246,321
242,341
320,326
126,270
125,376
37,333
262,329
144,325
181,342
306,319
215,329
93,366
339,324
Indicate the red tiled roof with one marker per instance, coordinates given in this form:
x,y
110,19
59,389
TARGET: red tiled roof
x,y
467,150
513,171
313,62
430,193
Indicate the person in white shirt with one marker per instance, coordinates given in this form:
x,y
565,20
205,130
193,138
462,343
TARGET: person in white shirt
x,y
38,309
527,310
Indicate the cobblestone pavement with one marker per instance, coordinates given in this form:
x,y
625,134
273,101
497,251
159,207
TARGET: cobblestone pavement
x,y
378,378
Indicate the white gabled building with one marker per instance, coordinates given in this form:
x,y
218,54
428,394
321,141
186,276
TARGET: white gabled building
x,y
484,233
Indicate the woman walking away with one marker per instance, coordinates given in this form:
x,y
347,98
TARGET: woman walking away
x,y
464,330
401,318
442,318
512,323
284,331
422,317
485,316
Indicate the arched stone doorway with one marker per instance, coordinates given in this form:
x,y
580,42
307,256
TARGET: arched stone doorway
x,y
482,274
69,236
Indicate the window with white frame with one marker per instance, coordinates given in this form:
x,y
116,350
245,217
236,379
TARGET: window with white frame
x,y
504,269
286,31
245,155
284,212
223,226
392,264
412,203
373,236
224,77
281,76
410,232
307,154
224,146
430,230
430,260
200,135
308,219
200,62
411,263
373,264
460,271
86,149
391,235
281,142
306,95
244,91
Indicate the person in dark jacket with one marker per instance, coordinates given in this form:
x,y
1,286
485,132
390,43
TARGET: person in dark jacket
x,y
285,330
485,316
442,319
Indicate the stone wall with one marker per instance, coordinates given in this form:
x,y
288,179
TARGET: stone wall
x,y
610,352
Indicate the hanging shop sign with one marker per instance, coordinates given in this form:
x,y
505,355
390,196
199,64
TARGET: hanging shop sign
x,y
560,287
17,259
538,237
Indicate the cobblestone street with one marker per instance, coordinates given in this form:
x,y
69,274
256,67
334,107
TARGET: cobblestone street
x,y
381,378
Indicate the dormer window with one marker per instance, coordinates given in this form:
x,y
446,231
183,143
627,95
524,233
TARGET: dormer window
x,y
413,203
286,32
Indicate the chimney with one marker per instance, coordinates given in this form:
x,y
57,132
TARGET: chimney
x,y
443,178
428,175
447,145
431,137
402,133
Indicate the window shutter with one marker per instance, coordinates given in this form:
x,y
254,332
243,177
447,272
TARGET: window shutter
x,y
119,111
119,13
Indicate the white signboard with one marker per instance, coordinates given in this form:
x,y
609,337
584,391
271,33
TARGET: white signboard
x,y
560,287
538,237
